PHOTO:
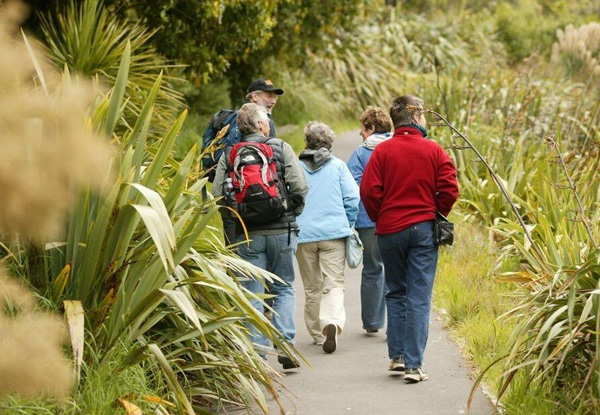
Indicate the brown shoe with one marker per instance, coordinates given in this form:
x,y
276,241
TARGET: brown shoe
x,y
330,343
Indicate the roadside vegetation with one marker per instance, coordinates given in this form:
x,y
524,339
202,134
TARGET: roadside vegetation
x,y
134,260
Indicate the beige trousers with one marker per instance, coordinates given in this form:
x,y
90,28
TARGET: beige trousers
x,y
322,269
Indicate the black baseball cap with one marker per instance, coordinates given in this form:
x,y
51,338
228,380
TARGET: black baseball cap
x,y
263,84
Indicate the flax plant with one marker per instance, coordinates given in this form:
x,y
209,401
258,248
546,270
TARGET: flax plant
x,y
134,260
89,40
137,266
555,340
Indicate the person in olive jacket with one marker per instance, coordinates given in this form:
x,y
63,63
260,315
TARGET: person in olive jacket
x,y
272,245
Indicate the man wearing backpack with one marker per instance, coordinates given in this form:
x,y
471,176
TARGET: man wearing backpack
x,y
262,92
262,179
223,125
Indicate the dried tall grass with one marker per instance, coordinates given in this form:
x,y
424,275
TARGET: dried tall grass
x,y
31,357
578,49
47,151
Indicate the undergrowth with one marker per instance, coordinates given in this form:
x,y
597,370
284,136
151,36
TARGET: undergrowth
x,y
472,296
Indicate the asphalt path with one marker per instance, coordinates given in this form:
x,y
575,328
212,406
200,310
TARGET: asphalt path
x,y
355,379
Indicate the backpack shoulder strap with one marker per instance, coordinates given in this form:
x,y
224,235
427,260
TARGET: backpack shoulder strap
x,y
273,141
227,154
277,145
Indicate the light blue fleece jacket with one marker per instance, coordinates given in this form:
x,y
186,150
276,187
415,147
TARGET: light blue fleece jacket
x,y
357,164
332,201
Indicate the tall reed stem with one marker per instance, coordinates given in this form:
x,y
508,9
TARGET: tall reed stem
x,y
573,188
496,179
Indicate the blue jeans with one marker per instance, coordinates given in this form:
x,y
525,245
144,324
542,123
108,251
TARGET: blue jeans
x,y
410,259
274,254
372,284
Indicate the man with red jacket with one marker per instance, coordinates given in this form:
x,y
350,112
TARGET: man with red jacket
x,y
408,179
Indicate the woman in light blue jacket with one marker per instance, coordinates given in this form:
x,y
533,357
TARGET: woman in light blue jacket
x,y
375,127
329,214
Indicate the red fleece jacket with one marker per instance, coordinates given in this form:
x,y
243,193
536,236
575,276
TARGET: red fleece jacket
x,y
407,180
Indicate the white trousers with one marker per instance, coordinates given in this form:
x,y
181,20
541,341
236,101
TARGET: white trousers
x,y
322,269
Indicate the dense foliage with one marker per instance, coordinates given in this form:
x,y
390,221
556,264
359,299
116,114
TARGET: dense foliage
x,y
146,284
88,40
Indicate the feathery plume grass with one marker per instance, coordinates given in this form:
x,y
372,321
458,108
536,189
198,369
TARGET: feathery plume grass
x,y
32,363
578,49
47,151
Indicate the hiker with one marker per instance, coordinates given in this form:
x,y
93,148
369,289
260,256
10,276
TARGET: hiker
x,y
273,235
375,127
326,222
407,180
262,92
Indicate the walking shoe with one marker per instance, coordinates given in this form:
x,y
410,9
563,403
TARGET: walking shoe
x,y
330,343
396,365
268,314
371,331
415,375
287,362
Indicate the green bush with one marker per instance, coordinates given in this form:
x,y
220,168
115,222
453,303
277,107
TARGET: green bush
x,y
524,29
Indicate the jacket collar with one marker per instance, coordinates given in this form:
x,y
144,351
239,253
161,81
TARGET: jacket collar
x,y
255,137
411,129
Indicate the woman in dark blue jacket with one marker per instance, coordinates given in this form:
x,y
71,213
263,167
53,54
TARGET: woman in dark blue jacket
x,y
375,127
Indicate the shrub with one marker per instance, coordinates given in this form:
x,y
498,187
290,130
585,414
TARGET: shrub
x,y
524,29
89,40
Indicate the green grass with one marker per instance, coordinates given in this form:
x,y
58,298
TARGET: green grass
x,y
471,295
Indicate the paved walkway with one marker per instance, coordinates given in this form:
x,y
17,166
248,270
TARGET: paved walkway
x,y
355,380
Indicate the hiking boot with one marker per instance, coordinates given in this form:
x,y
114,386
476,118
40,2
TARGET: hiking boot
x,y
396,365
415,375
287,362
330,343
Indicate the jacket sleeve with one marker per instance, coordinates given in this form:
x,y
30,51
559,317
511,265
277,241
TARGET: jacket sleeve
x,y
350,194
294,177
356,167
217,189
371,186
446,186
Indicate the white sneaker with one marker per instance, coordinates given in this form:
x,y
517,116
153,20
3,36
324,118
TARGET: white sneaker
x,y
330,343
396,365
415,375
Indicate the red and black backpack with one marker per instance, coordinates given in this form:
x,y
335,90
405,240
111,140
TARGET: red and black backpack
x,y
252,185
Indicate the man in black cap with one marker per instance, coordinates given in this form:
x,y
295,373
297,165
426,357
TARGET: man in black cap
x,y
262,92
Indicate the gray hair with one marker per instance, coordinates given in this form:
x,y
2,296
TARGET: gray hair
x,y
401,111
318,135
249,94
249,116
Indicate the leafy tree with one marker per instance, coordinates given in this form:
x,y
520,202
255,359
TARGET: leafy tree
x,y
207,35
300,25
232,37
